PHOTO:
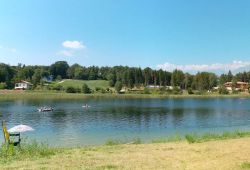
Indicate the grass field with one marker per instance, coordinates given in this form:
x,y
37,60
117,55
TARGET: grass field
x,y
91,83
220,154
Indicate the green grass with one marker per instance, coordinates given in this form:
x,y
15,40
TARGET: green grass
x,y
91,83
194,138
45,94
245,165
33,150
174,138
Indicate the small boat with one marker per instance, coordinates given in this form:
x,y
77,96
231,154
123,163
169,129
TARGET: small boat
x,y
86,106
45,109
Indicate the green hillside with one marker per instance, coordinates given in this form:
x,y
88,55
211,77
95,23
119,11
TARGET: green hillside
x,y
91,83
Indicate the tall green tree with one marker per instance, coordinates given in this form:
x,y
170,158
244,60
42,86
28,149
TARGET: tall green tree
x,y
59,68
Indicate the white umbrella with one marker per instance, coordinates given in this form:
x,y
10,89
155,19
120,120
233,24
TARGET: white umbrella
x,y
20,128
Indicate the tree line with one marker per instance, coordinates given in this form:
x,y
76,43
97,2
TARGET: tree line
x,y
123,75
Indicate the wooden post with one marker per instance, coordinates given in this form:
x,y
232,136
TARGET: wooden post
x,y
3,125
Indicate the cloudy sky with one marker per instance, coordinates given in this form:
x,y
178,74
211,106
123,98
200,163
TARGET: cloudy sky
x,y
194,35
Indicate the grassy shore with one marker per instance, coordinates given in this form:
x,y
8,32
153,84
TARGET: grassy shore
x,y
208,151
6,95
220,154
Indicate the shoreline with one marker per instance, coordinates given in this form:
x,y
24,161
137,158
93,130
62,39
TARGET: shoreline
x,y
231,153
59,95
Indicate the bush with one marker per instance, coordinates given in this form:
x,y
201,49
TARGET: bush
x,y
71,89
57,87
191,138
111,83
3,85
146,91
177,90
190,91
235,91
223,90
199,92
98,89
118,86
59,78
86,89
103,91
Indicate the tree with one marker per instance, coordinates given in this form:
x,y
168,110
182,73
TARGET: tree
x,y
229,76
118,86
177,78
147,76
6,74
212,81
86,89
36,77
59,68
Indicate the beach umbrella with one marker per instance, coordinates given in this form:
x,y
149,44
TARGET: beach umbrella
x,y
20,128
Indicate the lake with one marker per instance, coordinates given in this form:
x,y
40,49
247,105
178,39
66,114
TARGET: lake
x,y
124,119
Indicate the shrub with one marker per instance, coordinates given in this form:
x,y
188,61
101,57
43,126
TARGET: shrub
x,y
190,91
3,85
198,93
71,89
57,87
177,90
86,89
118,86
103,91
190,138
146,91
111,83
235,91
223,90
98,89
59,78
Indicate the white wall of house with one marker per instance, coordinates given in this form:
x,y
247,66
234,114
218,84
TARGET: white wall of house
x,y
22,86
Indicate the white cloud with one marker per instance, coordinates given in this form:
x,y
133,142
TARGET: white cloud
x,y
66,53
234,66
73,44
71,48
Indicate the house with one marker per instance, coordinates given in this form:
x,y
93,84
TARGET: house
x,y
239,85
23,85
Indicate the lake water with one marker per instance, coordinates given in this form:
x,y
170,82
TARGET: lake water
x,y
124,119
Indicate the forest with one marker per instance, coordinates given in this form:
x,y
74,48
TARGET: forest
x,y
125,76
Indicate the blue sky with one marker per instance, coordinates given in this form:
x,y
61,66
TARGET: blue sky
x,y
194,34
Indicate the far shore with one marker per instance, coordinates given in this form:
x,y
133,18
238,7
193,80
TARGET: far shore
x,y
15,94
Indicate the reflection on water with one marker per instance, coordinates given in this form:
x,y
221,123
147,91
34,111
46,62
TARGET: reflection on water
x,y
125,119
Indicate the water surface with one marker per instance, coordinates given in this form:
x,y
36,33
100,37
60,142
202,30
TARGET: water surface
x,y
125,119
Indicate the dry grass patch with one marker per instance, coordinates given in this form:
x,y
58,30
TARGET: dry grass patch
x,y
223,154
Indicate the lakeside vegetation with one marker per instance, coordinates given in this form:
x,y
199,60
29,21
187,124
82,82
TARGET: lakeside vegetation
x,y
12,95
230,147
111,79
